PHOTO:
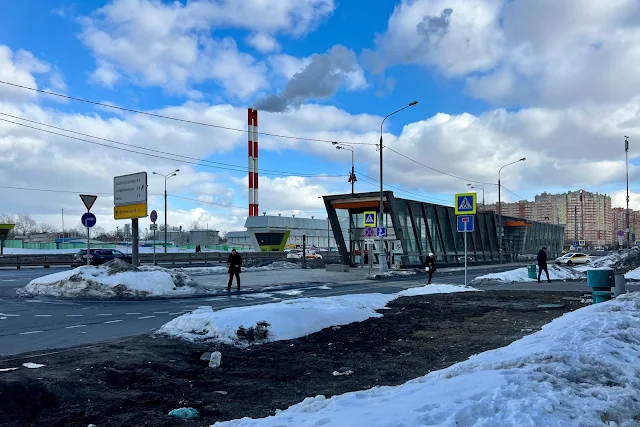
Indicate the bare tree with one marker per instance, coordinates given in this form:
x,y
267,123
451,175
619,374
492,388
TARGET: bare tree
x,y
24,224
45,228
195,225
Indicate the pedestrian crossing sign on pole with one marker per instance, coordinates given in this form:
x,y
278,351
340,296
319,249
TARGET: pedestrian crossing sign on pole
x,y
465,204
370,219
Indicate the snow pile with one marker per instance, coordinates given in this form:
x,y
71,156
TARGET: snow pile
x,y
520,275
392,273
579,370
288,319
115,279
223,269
633,275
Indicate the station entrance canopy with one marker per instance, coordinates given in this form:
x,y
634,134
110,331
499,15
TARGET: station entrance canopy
x,y
415,228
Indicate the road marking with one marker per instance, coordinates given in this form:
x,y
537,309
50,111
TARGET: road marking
x,y
160,312
104,314
137,314
10,280
75,326
146,317
9,315
30,332
44,315
85,308
173,314
75,315
113,321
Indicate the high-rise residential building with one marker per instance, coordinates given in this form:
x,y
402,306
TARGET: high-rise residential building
x,y
587,216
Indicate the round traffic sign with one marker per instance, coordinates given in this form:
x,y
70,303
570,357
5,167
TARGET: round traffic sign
x,y
88,220
154,216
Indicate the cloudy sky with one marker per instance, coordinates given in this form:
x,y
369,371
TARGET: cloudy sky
x,y
557,82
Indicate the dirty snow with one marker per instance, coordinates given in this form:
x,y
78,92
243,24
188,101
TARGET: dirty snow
x,y
520,275
633,275
31,365
223,269
113,280
310,315
579,370
392,273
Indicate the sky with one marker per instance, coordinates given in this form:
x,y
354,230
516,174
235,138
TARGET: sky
x,y
495,80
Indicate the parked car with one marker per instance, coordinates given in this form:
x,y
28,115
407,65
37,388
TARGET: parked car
x,y
573,258
298,255
99,256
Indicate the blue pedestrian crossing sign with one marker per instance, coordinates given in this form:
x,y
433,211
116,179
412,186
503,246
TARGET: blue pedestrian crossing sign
x,y
369,219
465,204
465,223
382,231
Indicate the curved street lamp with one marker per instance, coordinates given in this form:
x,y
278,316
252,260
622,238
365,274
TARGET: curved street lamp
x,y
500,227
478,186
166,177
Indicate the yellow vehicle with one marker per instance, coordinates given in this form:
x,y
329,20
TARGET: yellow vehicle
x,y
573,258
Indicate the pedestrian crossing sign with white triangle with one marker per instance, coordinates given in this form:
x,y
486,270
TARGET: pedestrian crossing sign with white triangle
x,y
370,219
465,204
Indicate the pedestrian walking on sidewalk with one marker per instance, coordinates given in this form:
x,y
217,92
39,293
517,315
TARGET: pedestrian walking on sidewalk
x,y
542,264
430,266
235,263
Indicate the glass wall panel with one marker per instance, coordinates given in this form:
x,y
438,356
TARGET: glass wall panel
x,y
447,233
407,230
433,229
420,228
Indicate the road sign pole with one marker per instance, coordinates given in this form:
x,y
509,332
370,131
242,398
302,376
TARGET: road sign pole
x,y
465,253
154,247
88,244
134,242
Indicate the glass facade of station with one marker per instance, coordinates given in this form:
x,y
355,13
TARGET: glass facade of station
x,y
416,228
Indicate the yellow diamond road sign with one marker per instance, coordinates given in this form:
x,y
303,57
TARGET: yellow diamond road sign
x,y
370,219
130,211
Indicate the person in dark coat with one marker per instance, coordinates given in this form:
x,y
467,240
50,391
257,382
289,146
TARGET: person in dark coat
x,y
430,266
542,264
235,263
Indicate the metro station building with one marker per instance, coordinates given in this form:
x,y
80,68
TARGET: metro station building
x,y
415,228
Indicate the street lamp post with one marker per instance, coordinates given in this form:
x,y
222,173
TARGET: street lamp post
x,y
352,177
626,156
166,177
479,186
382,258
500,228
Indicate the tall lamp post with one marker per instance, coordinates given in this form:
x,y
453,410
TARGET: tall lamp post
x,y
478,186
352,177
382,258
626,156
500,233
166,177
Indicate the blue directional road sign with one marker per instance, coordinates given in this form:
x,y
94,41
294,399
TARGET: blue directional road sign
x,y
88,220
465,204
575,244
381,231
154,216
465,223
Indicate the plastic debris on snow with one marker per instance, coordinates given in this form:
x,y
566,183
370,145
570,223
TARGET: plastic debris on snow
x,y
521,275
115,279
579,370
274,319
31,365
184,413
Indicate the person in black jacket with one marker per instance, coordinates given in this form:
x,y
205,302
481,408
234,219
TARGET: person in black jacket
x,y
234,262
542,264
430,266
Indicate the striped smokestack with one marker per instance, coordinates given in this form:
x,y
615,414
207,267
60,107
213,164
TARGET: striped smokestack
x,y
253,161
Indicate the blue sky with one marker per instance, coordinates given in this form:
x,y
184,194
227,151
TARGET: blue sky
x,y
490,89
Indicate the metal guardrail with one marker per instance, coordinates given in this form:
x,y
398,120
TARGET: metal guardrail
x,y
46,260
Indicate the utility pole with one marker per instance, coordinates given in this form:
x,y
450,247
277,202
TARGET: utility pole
x,y
63,225
582,215
626,155
575,222
166,177
500,228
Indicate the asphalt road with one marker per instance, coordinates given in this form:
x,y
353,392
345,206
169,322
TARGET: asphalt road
x,y
43,324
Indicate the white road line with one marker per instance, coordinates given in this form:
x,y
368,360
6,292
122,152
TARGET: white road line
x,y
173,314
44,315
75,326
146,317
30,332
104,314
136,314
113,321
160,312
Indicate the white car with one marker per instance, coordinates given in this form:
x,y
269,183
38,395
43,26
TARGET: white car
x,y
298,255
573,258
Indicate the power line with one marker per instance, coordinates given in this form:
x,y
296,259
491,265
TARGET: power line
x,y
149,154
374,182
161,116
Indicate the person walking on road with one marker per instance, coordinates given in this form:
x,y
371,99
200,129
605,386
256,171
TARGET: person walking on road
x,y
430,266
235,263
542,264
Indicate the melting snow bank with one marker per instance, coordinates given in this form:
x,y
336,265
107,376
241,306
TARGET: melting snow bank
x,y
392,273
579,370
520,275
287,319
114,280
220,269
633,275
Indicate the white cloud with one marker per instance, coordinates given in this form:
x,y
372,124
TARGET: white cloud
x,y
170,45
20,68
263,43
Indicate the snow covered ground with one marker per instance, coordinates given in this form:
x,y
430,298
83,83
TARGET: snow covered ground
x,y
123,249
520,275
223,269
579,370
105,281
633,275
289,319
392,273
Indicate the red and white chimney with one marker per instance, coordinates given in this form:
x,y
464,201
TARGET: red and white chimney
x,y
253,161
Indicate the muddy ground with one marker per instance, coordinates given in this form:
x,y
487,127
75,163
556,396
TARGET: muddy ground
x,y
137,381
